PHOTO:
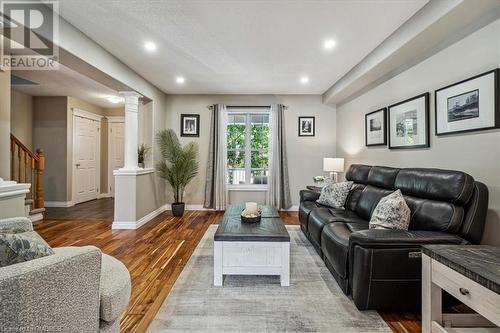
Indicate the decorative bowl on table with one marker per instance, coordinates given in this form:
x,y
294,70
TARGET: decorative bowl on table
x,y
251,216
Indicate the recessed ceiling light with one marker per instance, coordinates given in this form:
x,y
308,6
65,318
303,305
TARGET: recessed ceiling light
x,y
329,44
180,80
150,46
304,80
114,99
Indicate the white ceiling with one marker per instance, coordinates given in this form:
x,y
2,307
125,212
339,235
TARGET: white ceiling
x,y
240,46
66,82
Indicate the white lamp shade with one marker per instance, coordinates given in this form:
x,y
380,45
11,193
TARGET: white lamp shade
x,y
333,164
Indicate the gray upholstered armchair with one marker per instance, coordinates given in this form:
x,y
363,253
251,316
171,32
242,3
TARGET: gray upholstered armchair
x,y
77,289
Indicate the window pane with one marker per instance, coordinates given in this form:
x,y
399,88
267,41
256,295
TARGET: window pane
x,y
235,159
260,131
236,176
236,131
260,159
259,177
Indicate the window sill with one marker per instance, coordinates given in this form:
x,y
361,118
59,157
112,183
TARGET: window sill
x,y
248,188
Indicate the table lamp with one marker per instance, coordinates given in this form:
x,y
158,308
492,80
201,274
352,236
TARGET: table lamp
x,y
333,166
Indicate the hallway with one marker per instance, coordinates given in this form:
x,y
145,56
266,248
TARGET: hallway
x,y
100,209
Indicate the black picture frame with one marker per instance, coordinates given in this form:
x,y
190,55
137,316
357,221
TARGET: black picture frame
x,y
496,73
190,133
384,143
313,129
426,144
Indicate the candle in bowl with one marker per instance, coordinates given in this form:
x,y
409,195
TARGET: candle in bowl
x,y
251,206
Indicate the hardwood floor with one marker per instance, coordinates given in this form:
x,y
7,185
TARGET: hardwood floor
x,y
155,254
95,209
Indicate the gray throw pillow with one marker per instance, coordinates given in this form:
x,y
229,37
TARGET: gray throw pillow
x,y
335,194
21,247
391,212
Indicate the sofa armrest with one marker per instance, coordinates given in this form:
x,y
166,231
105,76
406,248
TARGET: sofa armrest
x,y
307,195
59,292
373,238
15,225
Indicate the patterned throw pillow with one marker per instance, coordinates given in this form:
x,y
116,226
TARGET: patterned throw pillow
x,y
391,212
335,194
21,247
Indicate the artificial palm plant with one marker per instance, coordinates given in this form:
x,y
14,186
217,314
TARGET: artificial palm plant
x,y
179,165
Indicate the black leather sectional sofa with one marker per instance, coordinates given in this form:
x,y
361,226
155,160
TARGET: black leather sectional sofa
x,y
382,268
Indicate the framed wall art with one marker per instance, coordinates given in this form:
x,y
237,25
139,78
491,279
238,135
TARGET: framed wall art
x,y
190,125
468,105
409,123
376,128
306,126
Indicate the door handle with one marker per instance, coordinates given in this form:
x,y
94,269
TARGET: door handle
x,y
77,165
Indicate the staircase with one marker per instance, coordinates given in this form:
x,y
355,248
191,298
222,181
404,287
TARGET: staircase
x,y
27,167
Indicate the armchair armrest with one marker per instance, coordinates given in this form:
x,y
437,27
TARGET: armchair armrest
x,y
59,292
307,195
382,238
15,225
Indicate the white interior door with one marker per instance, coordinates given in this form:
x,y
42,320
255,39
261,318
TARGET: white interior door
x,y
86,159
116,147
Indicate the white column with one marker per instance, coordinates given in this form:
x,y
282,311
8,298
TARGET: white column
x,y
131,129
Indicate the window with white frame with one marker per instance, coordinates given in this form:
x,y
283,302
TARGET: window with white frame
x,y
248,147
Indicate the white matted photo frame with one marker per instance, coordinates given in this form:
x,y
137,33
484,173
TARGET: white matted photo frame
x,y
408,123
190,125
469,105
307,126
376,128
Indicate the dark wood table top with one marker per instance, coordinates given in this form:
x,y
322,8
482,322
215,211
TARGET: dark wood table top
x,y
480,263
269,229
314,188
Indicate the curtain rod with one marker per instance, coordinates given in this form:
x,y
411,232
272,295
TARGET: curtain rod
x,y
247,106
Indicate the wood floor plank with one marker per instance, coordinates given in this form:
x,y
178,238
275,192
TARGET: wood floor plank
x,y
155,254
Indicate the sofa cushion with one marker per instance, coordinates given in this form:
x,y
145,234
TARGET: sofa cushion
x,y
442,185
369,199
21,247
115,288
305,209
323,216
383,177
434,215
353,197
391,212
335,194
335,244
358,173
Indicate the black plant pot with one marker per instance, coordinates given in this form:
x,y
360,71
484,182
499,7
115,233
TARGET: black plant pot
x,y
178,208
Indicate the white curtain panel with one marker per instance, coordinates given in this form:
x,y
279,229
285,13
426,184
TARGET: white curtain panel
x,y
273,197
221,193
216,194
279,189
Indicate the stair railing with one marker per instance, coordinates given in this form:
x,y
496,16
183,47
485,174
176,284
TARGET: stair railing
x,y
27,167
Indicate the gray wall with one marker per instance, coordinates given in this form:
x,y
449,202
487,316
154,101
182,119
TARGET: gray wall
x,y
305,154
21,116
477,153
50,132
5,124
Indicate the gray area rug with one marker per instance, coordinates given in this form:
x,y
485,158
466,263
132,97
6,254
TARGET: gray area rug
x,y
312,303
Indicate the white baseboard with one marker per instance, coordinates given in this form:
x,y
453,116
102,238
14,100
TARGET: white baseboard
x,y
103,195
188,207
59,203
294,208
136,225
36,217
